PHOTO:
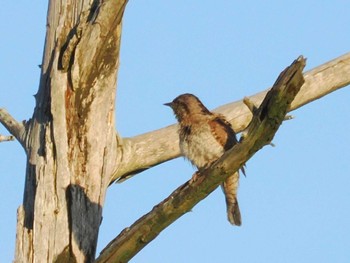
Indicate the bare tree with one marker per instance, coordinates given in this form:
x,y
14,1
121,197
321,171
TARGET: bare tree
x,y
74,152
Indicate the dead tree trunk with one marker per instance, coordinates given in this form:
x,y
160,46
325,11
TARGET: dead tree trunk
x,y
71,141
73,151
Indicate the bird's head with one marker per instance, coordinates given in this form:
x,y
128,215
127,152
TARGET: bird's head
x,y
187,106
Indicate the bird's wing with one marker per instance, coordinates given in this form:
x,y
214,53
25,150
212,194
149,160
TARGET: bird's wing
x,y
223,132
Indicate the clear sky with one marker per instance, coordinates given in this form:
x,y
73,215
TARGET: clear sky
x,y
295,200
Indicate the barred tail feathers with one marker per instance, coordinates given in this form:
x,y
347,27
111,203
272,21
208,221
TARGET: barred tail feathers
x,y
230,187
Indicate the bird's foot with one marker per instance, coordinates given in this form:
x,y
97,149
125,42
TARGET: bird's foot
x,y
195,177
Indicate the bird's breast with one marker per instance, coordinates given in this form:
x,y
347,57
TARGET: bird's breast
x,y
200,146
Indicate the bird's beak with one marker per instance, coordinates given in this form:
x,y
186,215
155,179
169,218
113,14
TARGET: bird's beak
x,y
170,104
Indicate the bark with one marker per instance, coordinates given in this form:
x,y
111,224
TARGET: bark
x,y
73,151
260,132
4,138
70,140
146,150
14,127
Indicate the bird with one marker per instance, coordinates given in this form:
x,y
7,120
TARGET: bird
x,y
204,137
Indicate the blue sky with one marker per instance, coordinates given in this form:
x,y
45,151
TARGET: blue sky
x,y
295,199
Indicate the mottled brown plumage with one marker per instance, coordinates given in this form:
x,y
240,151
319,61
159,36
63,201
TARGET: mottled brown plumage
x,y
204,137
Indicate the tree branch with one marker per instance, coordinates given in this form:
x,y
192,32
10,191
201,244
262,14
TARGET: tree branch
x,y
261,130
14,127
152,148
4,138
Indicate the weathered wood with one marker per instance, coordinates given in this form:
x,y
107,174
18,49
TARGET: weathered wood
x,y
73,151
6,138
71,139
144,151
17,129
260,132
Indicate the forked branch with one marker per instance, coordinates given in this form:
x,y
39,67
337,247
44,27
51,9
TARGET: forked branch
x,y
261,130
14,127
146,150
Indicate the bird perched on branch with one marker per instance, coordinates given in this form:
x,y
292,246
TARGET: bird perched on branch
x,y
204,137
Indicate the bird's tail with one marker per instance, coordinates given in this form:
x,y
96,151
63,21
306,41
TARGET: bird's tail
x,y
230,187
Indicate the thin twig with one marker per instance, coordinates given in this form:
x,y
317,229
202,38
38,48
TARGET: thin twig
x,y
4,138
